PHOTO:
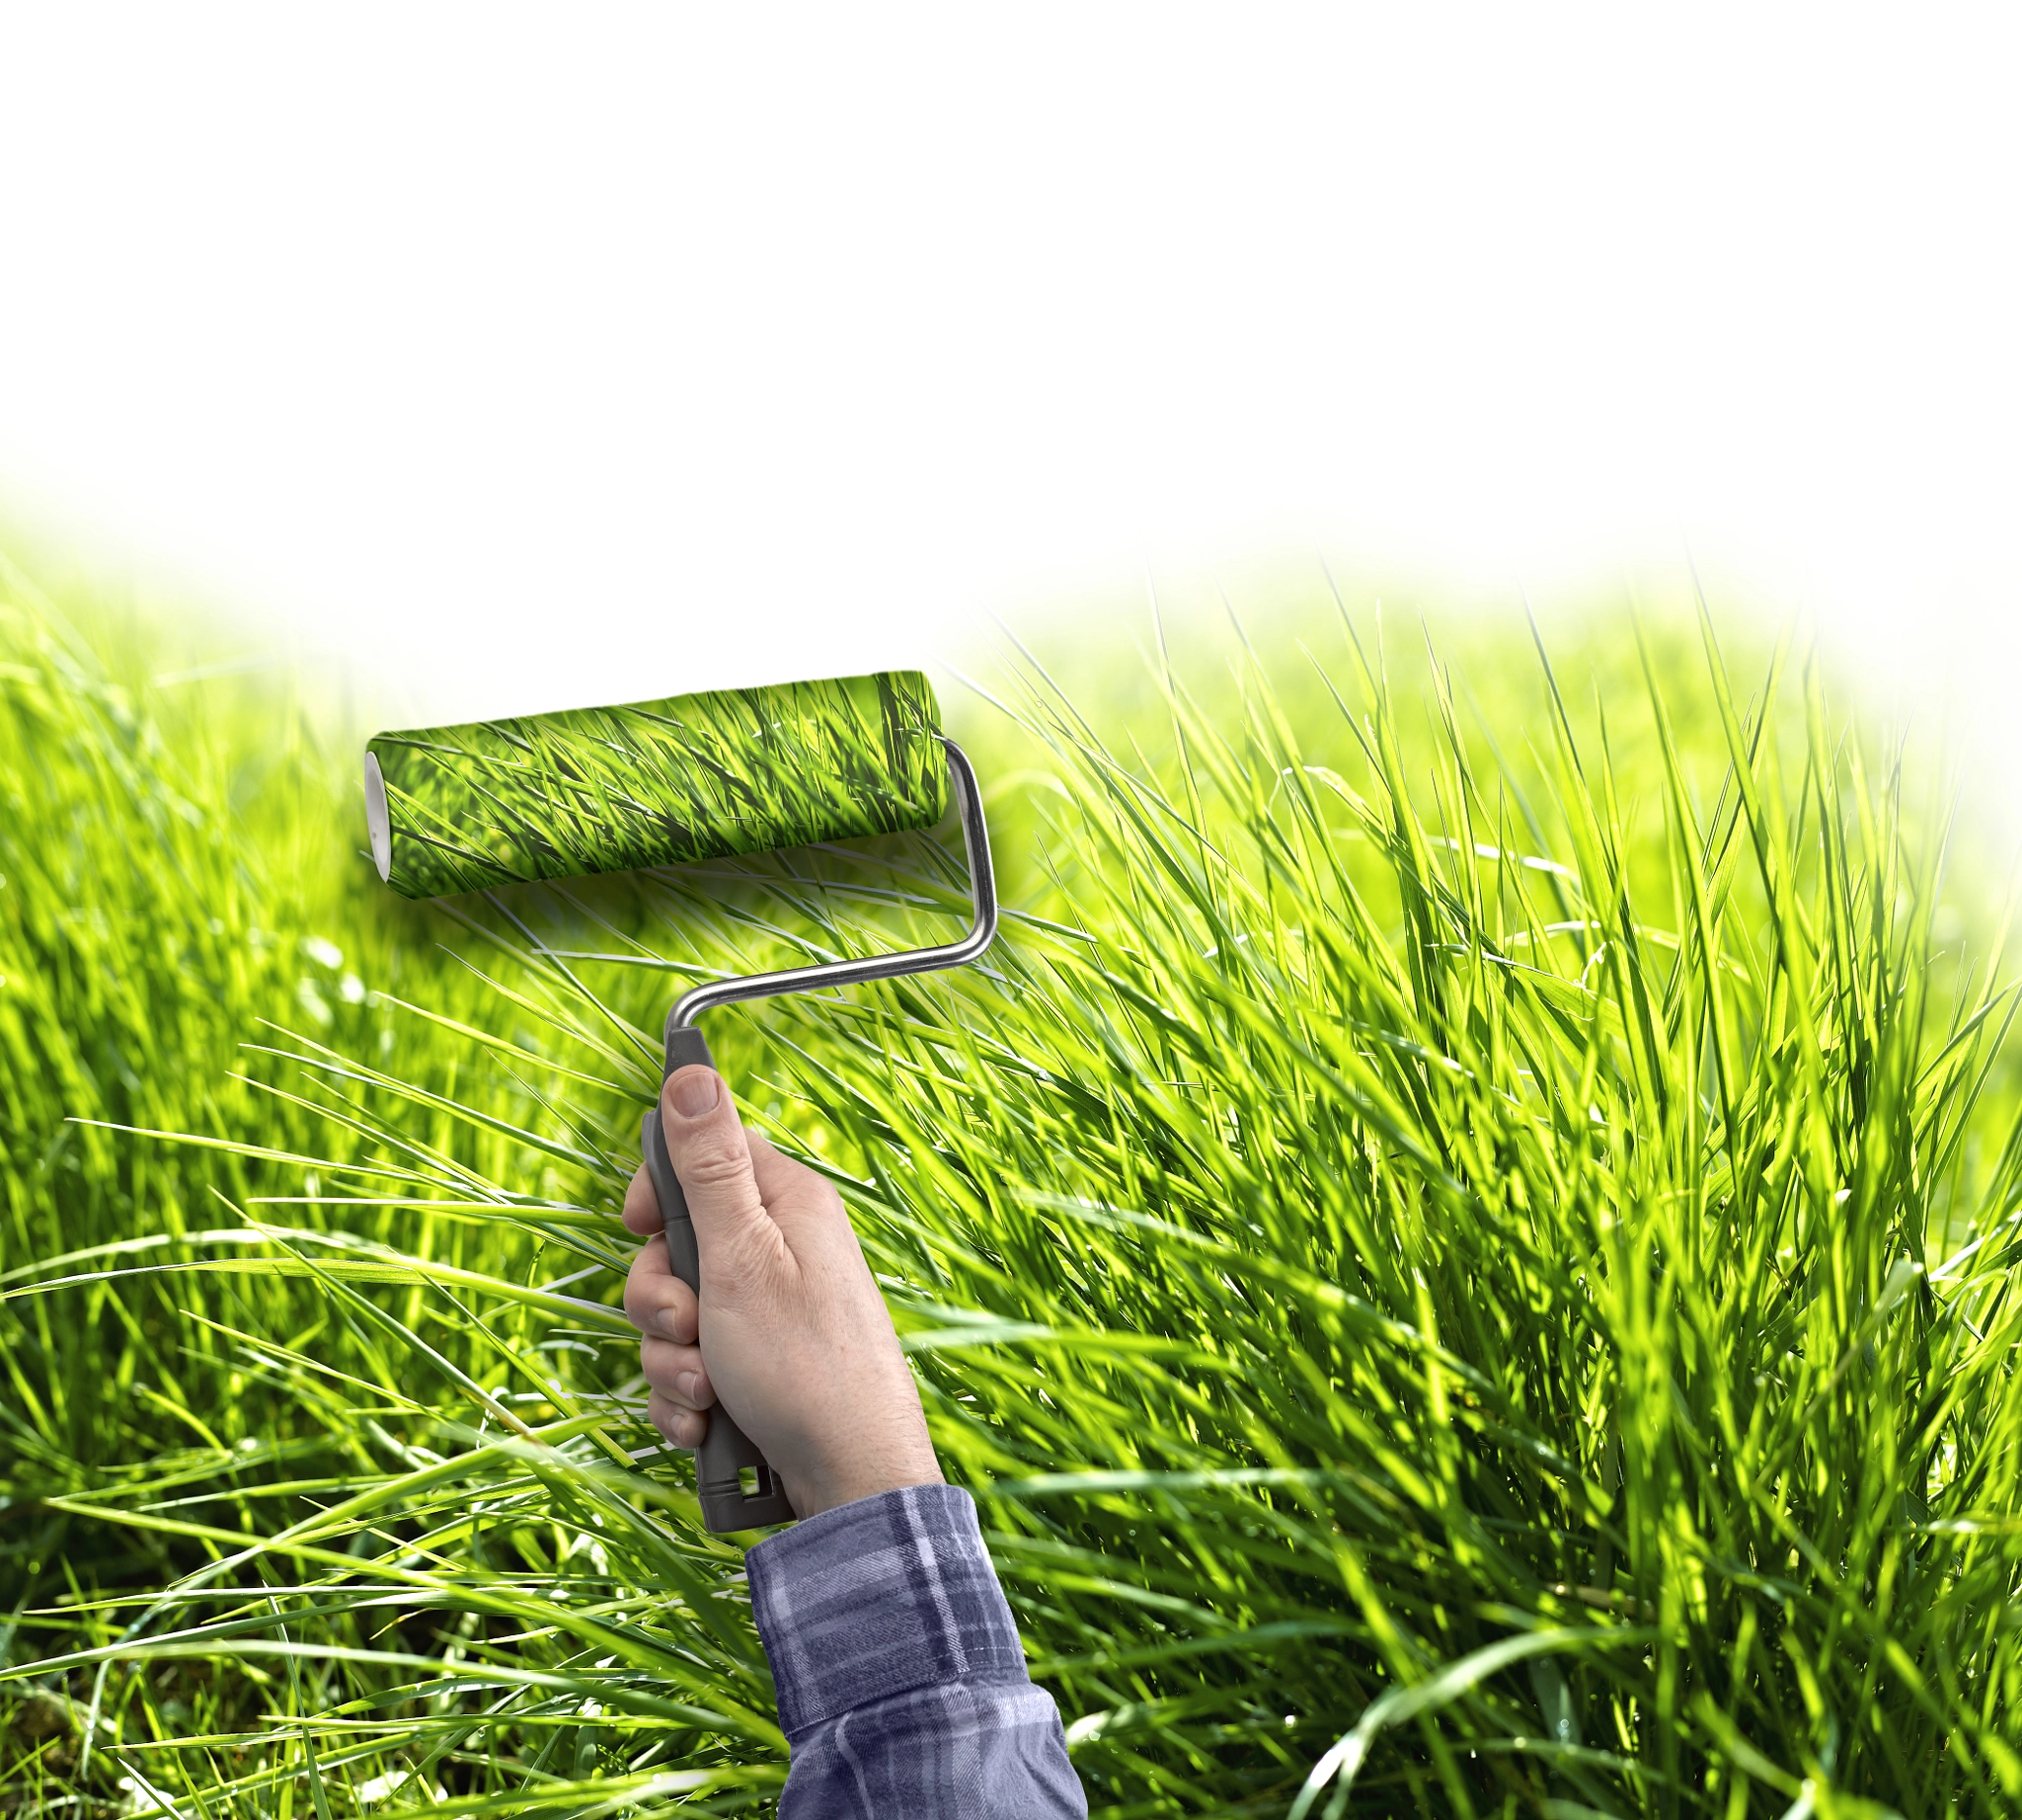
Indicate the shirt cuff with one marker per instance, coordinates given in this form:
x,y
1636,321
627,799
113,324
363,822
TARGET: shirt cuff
x,y
876,1598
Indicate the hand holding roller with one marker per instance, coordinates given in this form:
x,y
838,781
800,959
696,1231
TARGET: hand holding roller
x,y
458,808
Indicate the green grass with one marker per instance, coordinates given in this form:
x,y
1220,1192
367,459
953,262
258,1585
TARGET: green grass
x,y
1463,1237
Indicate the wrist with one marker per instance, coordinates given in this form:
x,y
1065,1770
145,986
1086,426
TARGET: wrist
x,y
862,1479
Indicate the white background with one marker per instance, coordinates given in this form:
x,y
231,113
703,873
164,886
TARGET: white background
x,y
530,356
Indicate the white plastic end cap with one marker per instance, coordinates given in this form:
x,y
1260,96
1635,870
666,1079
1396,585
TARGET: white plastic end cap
x,y
378,821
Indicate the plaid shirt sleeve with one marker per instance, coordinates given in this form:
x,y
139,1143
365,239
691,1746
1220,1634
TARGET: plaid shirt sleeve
x,y
902,1688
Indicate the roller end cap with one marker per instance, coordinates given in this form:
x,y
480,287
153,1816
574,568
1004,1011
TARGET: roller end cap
x,y
377,823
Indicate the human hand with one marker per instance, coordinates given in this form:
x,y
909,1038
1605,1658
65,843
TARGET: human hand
x,y
790,1334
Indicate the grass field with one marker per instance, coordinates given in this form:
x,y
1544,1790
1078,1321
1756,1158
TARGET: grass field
x,y
1463,1239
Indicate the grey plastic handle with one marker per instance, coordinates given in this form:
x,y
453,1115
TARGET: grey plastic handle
x,y
727,1454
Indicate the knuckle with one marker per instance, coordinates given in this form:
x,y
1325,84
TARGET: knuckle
x,y
642,1303
663,1365
714,1163
678,1427
654,1363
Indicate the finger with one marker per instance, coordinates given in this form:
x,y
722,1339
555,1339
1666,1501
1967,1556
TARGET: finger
x,y
678,1427
657,1301
642,1204
706,1142
677,1373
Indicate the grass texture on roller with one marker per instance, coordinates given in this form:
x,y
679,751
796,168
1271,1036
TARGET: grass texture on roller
x,y
654,783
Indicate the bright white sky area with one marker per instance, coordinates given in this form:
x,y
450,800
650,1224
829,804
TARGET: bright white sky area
x,y
524,358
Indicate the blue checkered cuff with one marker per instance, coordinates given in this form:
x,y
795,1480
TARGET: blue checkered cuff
x,y
876,1598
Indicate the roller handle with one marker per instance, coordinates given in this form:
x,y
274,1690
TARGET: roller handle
x,y
728,1459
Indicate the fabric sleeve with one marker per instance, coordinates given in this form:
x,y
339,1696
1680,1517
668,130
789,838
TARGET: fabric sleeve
x,y
902,1688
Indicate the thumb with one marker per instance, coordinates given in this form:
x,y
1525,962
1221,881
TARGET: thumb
x,y
707,1146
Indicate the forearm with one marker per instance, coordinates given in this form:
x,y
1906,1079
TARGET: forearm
x,y
902,1688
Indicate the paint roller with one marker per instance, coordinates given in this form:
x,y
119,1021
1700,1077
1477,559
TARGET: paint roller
x,y
663,783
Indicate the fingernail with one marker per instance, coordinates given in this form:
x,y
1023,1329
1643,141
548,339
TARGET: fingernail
x,y
695,1092
688,1384
664,1324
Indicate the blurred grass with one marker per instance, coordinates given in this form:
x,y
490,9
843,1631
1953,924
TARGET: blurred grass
x,y
1463,1238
